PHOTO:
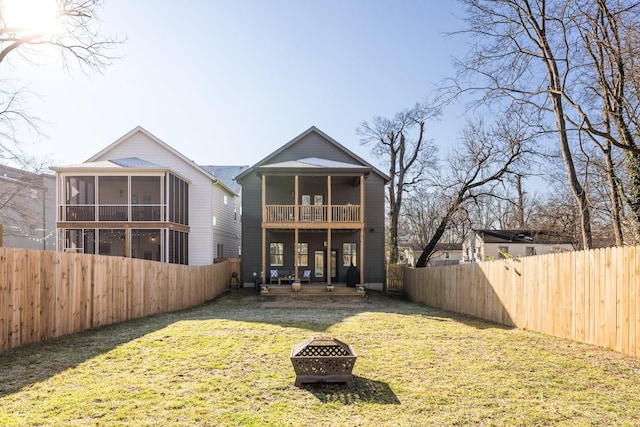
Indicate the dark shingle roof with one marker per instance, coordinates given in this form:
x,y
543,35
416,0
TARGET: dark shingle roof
x,y
522,236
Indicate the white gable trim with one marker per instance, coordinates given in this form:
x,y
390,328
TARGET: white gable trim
x,y
166,146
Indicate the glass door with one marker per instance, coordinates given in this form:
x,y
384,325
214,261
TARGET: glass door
x,y
319,265
333,267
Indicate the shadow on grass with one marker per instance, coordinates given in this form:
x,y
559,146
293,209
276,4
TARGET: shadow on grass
x,y
28,365
34,363
364,390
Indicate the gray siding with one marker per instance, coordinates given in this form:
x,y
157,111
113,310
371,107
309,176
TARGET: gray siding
x,y
315,145
251,231
374,220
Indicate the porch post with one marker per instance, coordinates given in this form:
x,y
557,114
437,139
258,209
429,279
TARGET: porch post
x,y
295,202
362,256
329,230
362,230
329,207
328,273
295,254
295,219
263,251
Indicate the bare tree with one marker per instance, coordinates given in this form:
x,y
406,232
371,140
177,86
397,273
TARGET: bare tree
x,y
70,27
487,156
403,144
522,54
604,32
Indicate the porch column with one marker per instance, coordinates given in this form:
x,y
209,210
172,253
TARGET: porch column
x,y
295,254
329,208
328,273
295,202
362,229
263,252
295,240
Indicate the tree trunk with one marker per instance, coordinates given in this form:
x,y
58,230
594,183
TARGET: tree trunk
x,y
614,194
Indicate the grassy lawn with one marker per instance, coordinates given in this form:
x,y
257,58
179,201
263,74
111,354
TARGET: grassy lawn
x,y
227,363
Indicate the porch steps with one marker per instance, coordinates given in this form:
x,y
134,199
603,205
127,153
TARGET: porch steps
x,y
339,290
316,294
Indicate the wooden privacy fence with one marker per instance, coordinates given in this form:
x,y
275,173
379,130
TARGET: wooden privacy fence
x,y
45,294
588,296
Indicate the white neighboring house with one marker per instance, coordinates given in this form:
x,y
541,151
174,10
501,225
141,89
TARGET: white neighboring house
x,y
140,198
486,245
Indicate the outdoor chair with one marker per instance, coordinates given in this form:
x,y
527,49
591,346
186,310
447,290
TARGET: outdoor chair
x,y
273,276
306,276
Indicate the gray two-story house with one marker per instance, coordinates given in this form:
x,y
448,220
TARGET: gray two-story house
x,y
313,209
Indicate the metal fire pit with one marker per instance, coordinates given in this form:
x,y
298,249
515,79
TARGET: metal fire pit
x,y
323,359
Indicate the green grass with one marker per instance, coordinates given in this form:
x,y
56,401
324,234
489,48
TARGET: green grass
x,y
227,363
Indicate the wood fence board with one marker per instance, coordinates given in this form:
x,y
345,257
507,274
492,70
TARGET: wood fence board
x,y
567,292
609,339
625,301
5,302
634,343
18,281
580,295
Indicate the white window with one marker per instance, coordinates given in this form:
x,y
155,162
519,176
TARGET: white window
x,y
503,251
276,254
348,254
34,193
303,254
225,199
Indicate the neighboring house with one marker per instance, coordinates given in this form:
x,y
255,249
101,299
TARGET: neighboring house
x,y
27,209
444,254
485,245
313,205
141,198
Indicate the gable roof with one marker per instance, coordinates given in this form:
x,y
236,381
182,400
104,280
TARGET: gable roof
x,y
134,162
313,162
522,236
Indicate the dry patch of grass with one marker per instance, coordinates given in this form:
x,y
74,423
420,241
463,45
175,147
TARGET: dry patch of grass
x,y
227,363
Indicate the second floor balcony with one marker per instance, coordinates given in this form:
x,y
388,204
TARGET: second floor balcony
x,y
310,215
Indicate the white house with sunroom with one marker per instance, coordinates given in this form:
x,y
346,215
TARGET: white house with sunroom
x,y
140,198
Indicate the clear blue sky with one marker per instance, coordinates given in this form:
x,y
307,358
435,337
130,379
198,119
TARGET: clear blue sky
x,y
228,82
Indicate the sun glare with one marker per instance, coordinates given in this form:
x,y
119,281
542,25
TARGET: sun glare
x,y
32,15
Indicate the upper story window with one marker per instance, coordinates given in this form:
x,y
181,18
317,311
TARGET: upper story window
x,y
178,203
80,190
226,200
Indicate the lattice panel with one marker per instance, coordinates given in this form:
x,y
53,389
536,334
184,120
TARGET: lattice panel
x,y
324,351
320,367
